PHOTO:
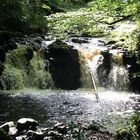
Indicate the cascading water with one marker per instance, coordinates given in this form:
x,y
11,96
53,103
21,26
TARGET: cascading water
x,y
119,78
106,66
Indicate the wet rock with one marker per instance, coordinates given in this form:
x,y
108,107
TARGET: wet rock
x,y
38,40
10,47
45,38
1,68
2,55
130,59
55,135
60,128
18,40
112,47
111,42
5,36
35,135
29,53
10,128
79,40
26,124
22,137
111,27
107,58
135,80
47,138
65,67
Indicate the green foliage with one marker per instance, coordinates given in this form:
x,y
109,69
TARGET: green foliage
x,y
117,8
132,132
75,23
17,14
4,135
93,19
11,78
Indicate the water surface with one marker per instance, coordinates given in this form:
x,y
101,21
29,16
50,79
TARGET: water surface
x,y
49,107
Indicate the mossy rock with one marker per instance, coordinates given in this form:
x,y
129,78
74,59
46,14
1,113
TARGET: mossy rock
x,y
11,78
44,80
19,58
123,134
58,44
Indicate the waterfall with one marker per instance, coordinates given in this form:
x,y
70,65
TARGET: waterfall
x,y
105,67
119,78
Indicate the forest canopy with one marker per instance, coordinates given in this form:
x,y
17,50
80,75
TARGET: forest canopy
x,y
31,14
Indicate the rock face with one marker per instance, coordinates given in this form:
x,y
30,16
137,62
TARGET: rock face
x,y
64,67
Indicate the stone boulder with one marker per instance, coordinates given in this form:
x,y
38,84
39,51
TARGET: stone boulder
x,y
29,53
65,67
35,135
79,40
9,128
60,128
2,55
54,135
1,68
25,124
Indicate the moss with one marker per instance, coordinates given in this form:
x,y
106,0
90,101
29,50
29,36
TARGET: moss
x,y
44,80
36,73
17,58
4,135
11,78
24,68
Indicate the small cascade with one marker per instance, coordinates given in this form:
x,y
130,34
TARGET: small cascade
x,y
105,67
119,78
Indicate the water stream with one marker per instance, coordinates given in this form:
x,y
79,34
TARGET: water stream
x,y
50,107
